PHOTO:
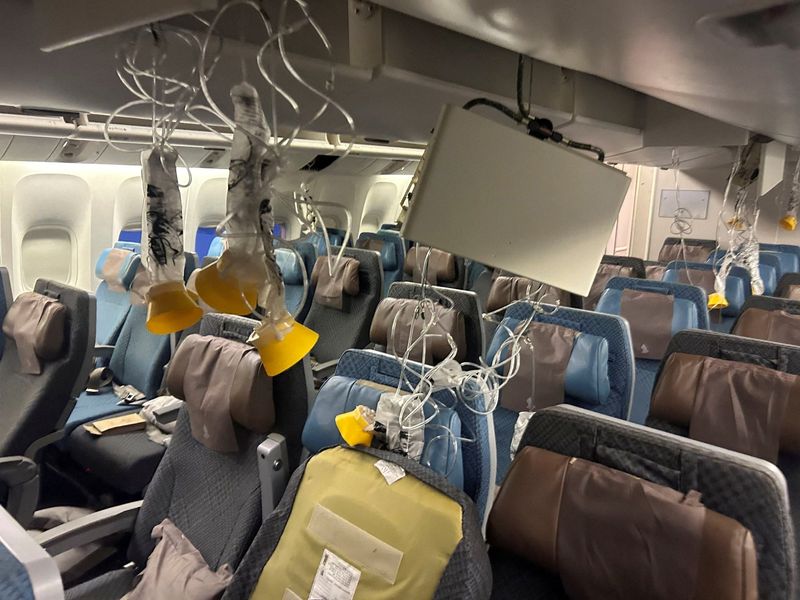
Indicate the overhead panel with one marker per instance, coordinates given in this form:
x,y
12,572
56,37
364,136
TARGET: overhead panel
x,y
62,24
30,148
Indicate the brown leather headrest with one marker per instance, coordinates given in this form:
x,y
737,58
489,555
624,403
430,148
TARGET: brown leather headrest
x,y
770,325
37,324
694,253
510,288
655,272
791,292
739,406
222,382
699,277
441,266
649,315
334,278
604,274
608,534
404,310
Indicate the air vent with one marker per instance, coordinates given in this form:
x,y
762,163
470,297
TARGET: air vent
x,y
320,162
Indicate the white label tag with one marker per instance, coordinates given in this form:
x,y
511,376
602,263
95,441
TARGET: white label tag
x,y
390,471
336,579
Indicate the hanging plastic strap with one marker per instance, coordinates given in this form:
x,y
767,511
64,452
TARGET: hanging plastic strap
x,y
789,220
170,308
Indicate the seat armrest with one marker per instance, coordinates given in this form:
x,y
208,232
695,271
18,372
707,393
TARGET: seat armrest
x,y
91,528
322,371
21,476
273,471
103,351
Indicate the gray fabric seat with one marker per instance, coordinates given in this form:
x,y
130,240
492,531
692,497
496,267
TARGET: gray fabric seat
x,y
743,488
340,330
6,297
213,498
465,577
137,456
34,406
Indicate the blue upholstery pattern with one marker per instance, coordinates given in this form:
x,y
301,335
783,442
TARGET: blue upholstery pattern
x,y
392,253
309,256
689,312
113,305
593,326
293,273
474,456
138,360
336,237
342,394
771,270
15,584
788,254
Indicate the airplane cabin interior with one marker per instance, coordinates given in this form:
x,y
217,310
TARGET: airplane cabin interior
x,y
400,300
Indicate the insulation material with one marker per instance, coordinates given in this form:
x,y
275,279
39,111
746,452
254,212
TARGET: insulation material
x,y
789,220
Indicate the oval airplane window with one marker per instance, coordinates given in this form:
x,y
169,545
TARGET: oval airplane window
x,y
48,253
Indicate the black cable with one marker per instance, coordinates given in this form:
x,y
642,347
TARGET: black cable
x,y
495,105
523,110
601,155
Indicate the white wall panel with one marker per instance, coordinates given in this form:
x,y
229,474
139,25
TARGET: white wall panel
x,y
44,204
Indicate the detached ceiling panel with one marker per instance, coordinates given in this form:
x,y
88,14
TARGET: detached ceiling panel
x,y
62,24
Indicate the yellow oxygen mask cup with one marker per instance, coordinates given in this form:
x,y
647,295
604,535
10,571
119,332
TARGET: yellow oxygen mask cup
x,y
170,308
717,301
789,223
231,284
282,343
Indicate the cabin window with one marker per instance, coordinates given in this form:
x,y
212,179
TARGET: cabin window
x,y
49,253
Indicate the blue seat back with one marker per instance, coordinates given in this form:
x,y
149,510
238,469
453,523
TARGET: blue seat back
x,y
737,288
336,237
689,312
789,255
600,372
468,468
295,278
390,247
769,267
113,295
139,356
135,247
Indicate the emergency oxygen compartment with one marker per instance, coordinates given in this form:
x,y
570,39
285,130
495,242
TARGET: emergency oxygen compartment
x,y
533,207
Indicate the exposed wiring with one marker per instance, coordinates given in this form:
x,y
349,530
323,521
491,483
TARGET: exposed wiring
x,y
537,127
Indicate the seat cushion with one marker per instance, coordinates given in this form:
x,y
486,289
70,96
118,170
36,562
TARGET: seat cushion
x,y
108,586
91,407
133,454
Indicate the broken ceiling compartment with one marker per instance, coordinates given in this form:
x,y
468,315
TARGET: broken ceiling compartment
x,y
393,74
